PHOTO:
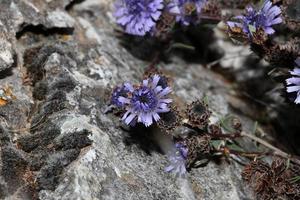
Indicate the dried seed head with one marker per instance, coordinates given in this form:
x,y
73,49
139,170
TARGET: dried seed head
x,y
237,125
164,26
237,34
212,8
171,120
198,114
260,37
199,147
260,42
284,55
272,182
214,129
278,166
258,175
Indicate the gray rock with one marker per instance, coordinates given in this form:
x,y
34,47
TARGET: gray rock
x,y
19,16
6,55
6,50
60,135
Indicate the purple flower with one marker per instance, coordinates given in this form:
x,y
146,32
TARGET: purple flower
x,y
146,102
265,18
185,9
121,91
178,160
294,82
163,81
138,17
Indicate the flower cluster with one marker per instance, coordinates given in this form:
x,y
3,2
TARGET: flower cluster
x,y
268,180
185,10
139,17
252,20
294,82
148,103
143,103
178,160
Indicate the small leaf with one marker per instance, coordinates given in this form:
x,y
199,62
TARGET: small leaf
x,y
226,123
278,74
261,3
205,99
288,163
216,143
235,147
182,46
255,128
252,29
295,179
210,26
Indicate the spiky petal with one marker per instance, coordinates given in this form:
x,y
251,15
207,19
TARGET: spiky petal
x,y
146,102
294,82
138,17
178,160
267,16
185,9
120,91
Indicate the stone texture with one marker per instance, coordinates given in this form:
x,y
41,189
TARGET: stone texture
x,y
19,16
6,51
55,136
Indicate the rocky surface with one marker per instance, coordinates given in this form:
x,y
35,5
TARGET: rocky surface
x,y
61,59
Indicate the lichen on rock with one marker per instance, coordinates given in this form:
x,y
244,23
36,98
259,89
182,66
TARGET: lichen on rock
x,y
57,131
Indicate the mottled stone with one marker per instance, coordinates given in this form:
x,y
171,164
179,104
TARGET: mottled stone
x,y
61,134
59,19
6,54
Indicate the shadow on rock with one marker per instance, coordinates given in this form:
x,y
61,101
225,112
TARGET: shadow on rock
x,y
143,138
194,44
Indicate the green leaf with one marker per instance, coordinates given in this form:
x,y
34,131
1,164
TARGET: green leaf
x,y
252,28
288,163
182,46
261,3
226,123
216,143
295,179
205,99
235,147
255,128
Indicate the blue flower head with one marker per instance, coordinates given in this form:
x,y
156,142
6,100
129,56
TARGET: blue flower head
x,y
264,18
121,91
145,102
294,82
178,160
185,10
138,17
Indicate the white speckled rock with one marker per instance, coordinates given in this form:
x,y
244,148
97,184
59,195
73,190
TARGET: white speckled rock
x,y
73,149
6,56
